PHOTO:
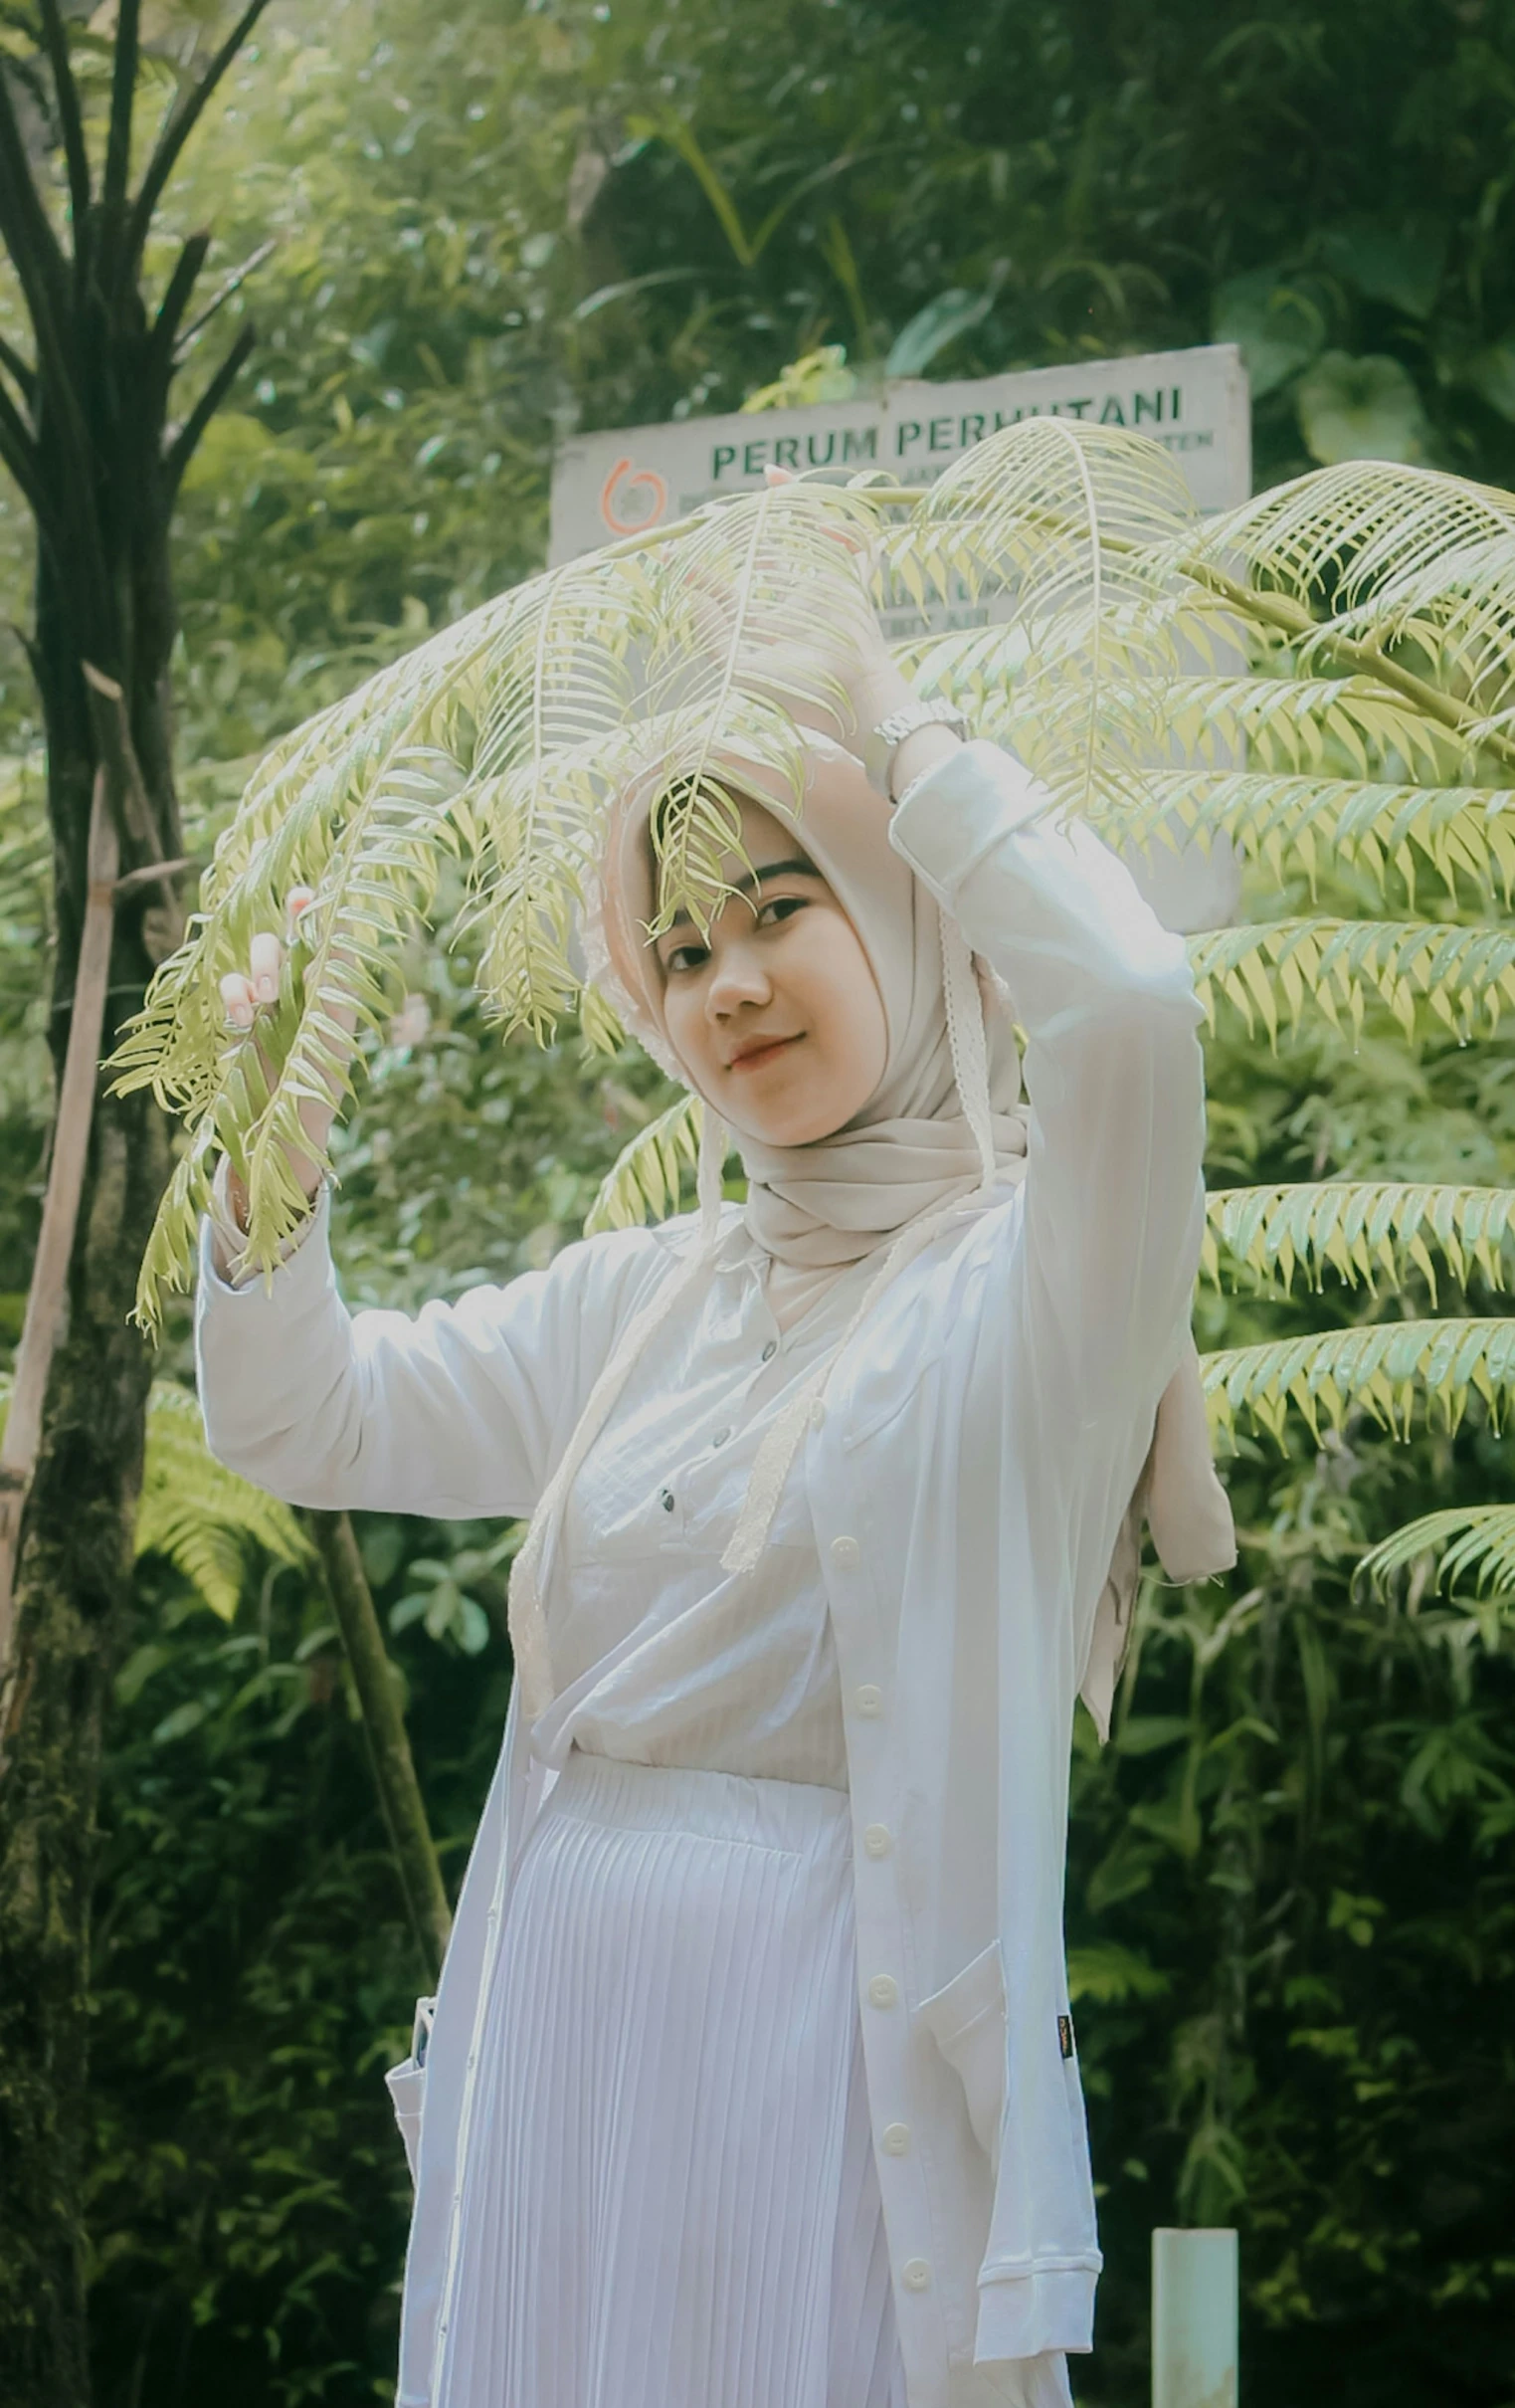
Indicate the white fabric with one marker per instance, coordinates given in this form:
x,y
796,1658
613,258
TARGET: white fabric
x,y
659,1656
673,2203
965,1490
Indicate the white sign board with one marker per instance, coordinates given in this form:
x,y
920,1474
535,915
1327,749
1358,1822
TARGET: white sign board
x,y
631,478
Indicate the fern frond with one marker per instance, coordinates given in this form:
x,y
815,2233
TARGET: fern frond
x,y
1362,1230
1069,537
199,1515
1270,972
645,1181
1323,672
1466,1539
1383,1368
1290,824
1353,531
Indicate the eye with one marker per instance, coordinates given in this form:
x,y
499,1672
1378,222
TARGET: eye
x,y
686,957
782,905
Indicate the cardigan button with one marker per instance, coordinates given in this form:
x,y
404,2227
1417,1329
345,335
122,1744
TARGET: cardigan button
x,y
877,1839
770,1350
917,2273
816,1413
868,1700
896,2139
720,1438
883,1989
847,1553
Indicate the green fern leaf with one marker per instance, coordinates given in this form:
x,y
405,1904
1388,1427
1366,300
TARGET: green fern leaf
x,y
1364,1230
645,1181
1383,1369
1461,975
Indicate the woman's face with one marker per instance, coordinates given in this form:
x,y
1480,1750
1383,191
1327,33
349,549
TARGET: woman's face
x,y
776,1020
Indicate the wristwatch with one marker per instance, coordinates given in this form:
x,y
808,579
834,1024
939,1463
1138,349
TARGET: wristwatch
x,y
885,739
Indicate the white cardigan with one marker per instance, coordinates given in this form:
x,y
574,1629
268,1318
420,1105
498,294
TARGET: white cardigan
x,y
966,1484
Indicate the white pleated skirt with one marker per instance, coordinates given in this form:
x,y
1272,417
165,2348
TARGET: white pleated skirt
x,y
669,2199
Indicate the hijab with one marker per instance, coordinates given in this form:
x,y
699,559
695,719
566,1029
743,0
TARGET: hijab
x,y
944,1129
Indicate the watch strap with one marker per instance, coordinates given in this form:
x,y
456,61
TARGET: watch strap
x,y
884,741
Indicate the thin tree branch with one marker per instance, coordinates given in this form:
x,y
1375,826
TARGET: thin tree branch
x,y
175,301
18,449
65,93
151,874
183,447
112,734
222,294
123,71
20,371
182,120
394,1767
60,1212
29,234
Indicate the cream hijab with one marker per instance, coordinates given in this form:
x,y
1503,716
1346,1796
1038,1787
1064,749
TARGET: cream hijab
x,y
945,1125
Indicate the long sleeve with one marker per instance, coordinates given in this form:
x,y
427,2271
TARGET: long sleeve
x,y
1114,1073
458,1412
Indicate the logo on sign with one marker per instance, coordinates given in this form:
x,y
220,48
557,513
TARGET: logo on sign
x,y
631,499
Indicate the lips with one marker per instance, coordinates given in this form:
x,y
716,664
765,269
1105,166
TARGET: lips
x,y
753,1058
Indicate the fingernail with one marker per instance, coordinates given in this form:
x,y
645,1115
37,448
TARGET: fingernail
x,y
264,960
236,995
297,904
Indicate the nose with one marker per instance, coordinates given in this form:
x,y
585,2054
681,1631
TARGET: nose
x,y
737,978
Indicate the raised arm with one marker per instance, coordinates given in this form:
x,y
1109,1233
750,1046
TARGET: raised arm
x,y
456,1413
1114,1197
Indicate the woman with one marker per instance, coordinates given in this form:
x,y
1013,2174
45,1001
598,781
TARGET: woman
x,y
753,2082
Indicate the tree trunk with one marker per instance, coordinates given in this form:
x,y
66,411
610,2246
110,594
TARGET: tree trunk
x,y
73,1594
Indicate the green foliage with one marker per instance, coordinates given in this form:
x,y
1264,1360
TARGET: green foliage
x,y
1289,1899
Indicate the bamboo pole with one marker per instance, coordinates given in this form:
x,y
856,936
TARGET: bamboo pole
x,y
48,1293
394,1768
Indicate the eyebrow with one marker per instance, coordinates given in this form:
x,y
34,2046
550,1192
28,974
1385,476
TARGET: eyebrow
x,y
798,868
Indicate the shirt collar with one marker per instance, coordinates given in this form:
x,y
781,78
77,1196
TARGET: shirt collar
x,y
736,1248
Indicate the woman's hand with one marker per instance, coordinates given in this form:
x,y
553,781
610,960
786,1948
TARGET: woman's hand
x,y
244,994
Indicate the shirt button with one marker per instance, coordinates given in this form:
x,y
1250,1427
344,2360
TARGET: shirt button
x,y
868,1700
770,1350
883,1989
720,1438
877,1839
917,2273
896,2139
846,1552
666,1499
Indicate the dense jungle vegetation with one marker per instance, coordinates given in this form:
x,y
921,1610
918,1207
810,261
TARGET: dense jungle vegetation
x,y
469,232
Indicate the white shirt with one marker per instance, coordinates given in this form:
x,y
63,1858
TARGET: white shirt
x,y
965,1485
658,1656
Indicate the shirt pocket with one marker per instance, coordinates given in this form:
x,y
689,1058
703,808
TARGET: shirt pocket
x,y
966,2019
886,1401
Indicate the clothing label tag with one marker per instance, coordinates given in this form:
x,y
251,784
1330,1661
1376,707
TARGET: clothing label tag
x,y
1066,2034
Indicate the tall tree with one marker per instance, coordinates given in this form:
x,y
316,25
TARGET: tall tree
x,y
87,433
